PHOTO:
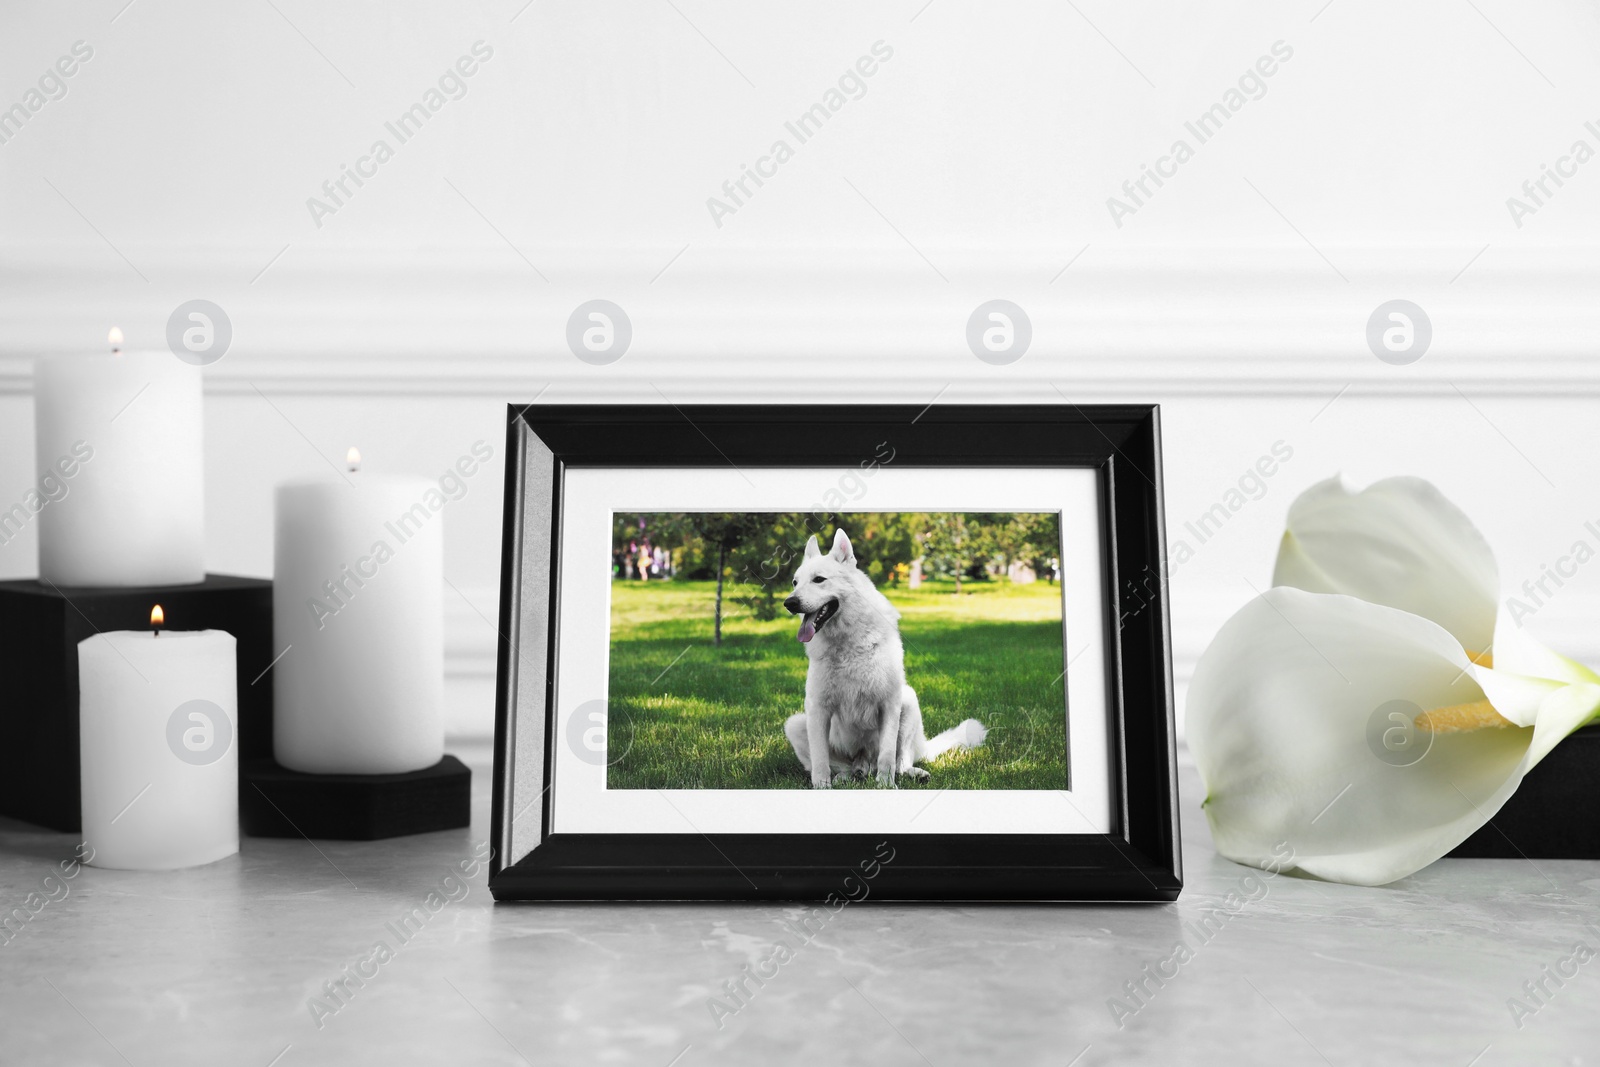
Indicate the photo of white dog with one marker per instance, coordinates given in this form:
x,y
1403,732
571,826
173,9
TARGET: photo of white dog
x,y
860,716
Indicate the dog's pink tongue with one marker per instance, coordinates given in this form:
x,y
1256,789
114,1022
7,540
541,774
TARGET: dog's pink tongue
x,y
808,627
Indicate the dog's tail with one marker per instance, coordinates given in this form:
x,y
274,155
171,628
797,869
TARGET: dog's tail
x,y
968,735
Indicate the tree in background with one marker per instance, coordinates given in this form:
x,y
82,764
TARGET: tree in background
x,y
1041,547
1029,537
767,558
760,551
950,545
883,541
726,532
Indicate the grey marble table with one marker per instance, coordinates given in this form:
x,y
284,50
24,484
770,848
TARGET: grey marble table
x,y
232,964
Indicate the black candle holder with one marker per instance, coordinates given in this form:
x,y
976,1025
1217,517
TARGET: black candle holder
x,y
277,802
40,627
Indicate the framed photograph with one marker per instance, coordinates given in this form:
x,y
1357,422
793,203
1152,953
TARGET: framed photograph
x,y
834,653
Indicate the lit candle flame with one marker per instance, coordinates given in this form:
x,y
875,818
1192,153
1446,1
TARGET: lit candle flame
x,y
353,458
157,616
115,338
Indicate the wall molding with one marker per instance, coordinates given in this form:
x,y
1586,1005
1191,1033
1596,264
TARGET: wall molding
x,y
729,323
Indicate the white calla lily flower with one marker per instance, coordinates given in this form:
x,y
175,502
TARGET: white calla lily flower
x,y
1369,732
1398,542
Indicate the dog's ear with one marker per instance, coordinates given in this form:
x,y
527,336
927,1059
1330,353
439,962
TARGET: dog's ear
x,y
812,551
841,547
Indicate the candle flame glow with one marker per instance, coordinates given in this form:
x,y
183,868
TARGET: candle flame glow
x,y
353,458
115,339
157,616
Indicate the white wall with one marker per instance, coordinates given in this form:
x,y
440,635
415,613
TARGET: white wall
x,y
977,165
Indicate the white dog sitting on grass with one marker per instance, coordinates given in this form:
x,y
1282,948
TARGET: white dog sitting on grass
x,y
861,717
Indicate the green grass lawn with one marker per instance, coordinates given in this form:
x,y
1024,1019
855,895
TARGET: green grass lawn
x,y
685,714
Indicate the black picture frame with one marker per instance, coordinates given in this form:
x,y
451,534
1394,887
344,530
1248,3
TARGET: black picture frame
x,y
1138,861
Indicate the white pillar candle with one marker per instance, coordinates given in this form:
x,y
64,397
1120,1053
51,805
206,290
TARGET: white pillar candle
x,y
157,724
119,451
358,618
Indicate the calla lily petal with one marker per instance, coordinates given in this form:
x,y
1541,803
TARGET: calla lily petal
x,y
1398,542
1291,715
1517,697
1526,673
1562,712
1515,650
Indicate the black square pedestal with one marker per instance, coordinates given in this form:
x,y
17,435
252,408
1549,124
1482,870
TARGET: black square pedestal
x,y
40,627
1552,815
274,802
